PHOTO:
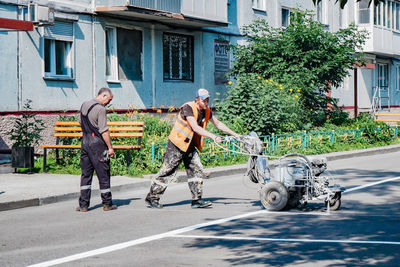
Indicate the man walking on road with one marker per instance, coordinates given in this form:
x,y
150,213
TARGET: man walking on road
x,y
185,137
96,150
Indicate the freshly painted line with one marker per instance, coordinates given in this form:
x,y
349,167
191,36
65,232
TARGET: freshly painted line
x,y
289,239
142,240
371,184
139,241
175,233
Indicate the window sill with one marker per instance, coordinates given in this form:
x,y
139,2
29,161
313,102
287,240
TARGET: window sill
x,y
113,81
59,78
259,10
178,81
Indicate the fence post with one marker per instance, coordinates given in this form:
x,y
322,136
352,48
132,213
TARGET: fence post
x,y
304,139
273,142
153,152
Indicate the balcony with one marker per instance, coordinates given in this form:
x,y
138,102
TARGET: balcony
x,y
383,26
186,13
173,6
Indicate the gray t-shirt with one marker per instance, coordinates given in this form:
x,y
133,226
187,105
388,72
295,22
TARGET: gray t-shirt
x,y
97,116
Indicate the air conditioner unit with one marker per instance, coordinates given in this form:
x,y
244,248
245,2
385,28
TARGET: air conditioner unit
x,y
42,15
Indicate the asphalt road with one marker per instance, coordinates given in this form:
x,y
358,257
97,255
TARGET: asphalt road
x,y
237,231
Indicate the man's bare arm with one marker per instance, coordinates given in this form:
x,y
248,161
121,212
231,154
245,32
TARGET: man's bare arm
x,y
107,139
221,126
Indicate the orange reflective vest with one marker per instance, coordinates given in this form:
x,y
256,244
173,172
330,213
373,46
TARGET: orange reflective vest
x,y
182,134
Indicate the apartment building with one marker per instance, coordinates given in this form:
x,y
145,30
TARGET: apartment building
x,y
151,53
156,53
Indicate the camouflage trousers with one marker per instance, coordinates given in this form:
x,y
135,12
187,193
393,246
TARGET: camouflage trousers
x,y
172,159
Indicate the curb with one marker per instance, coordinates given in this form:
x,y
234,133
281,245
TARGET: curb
x,y
181,177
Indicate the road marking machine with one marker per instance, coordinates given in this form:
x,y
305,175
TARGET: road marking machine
x,y
292,181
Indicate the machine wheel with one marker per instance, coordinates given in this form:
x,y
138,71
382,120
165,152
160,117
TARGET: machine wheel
x,y
274,196
335,202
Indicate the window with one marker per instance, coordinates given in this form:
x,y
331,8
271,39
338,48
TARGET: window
x,y
383,75
111,55
259,4
130,47
123,54
58,40
363,12
397,69
377,15
387,14
320,12
396,16
178,57
285,17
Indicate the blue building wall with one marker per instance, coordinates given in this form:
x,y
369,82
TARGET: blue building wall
x,y
88,50
8,63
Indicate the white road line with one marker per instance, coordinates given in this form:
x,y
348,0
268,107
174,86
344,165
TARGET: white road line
x,y
160,236
175,233
369,185
141,240
289,239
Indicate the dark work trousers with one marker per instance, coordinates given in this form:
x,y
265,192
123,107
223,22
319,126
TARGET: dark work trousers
x,y
172,159
94,157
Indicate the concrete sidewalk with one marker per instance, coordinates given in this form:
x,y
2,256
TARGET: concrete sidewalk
x,y
25,190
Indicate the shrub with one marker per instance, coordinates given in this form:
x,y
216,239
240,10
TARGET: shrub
x,y
261,105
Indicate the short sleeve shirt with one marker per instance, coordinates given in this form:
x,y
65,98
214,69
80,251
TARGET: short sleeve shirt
x,y
97,116
186,111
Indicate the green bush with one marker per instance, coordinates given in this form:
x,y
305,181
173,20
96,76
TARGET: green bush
x,y
261,105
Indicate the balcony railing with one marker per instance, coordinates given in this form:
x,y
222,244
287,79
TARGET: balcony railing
x,y
215,10
173,6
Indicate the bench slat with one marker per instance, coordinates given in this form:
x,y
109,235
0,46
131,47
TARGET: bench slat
x,y
126,134
79,146
388,120
125,123
111,134
112,129
109,123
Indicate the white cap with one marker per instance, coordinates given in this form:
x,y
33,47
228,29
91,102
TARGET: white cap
x,y
202,93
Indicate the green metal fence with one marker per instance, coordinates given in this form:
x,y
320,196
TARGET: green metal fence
x,y
274,142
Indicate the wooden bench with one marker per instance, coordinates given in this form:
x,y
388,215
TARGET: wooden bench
x,y
120,129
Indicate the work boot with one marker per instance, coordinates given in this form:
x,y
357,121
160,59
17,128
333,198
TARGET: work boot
x,y
200,204
110,207
153,204
80,209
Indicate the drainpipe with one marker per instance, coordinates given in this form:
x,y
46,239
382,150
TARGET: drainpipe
x,y
355,94
201,61
19,66
93,50
153,63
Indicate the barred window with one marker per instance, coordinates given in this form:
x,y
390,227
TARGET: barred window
x,y
178,57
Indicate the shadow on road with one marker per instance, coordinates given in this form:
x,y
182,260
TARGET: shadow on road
x,y
358,219
118,202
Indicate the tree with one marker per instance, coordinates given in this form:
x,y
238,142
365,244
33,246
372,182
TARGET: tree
x,y
344,2
304,56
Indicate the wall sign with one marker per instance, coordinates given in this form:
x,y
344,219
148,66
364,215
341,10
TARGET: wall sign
x,y
221,61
